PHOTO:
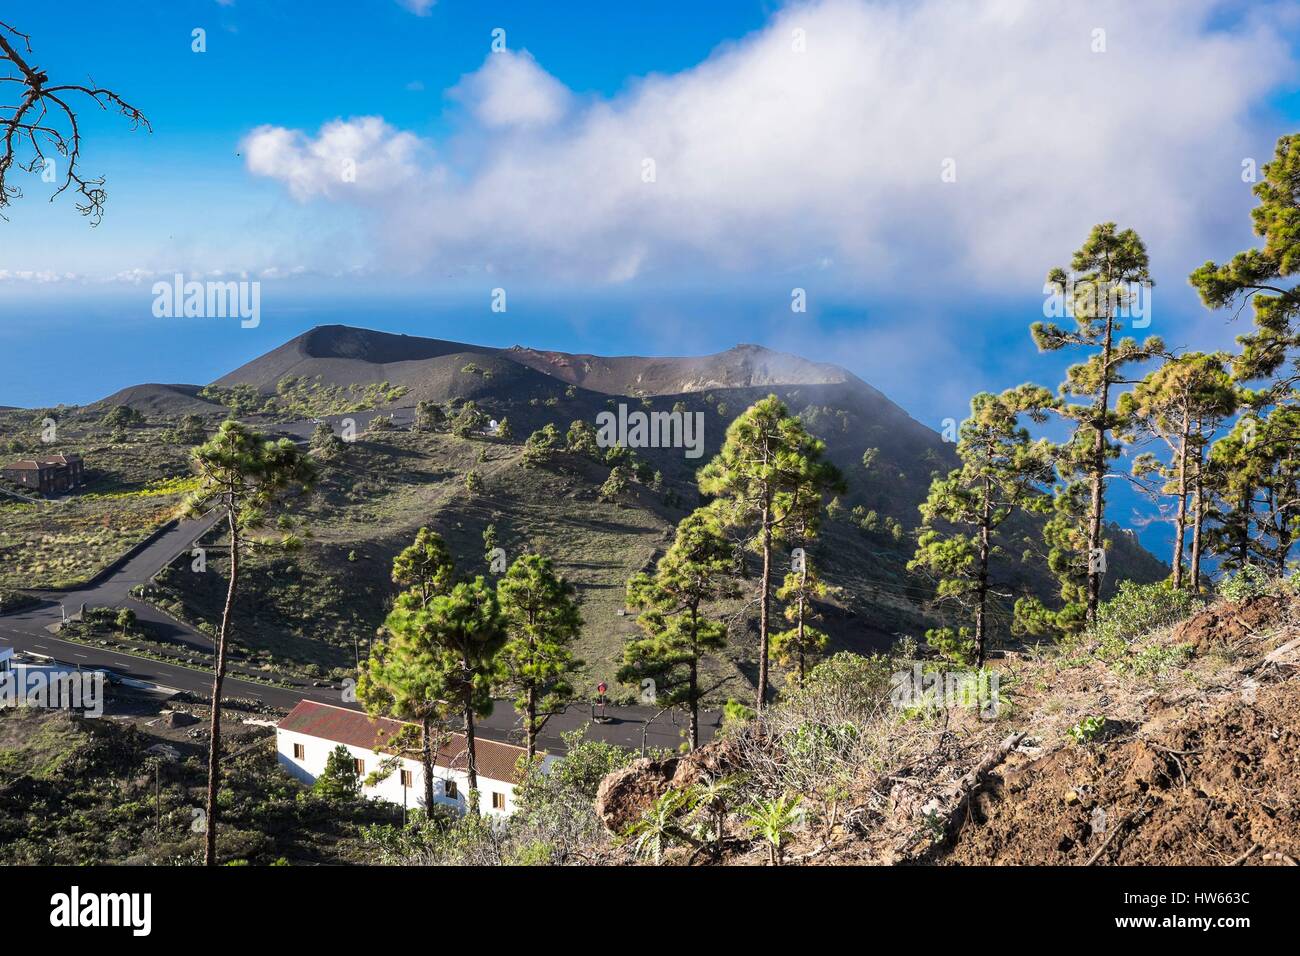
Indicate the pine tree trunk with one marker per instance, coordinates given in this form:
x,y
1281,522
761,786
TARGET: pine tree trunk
x,y
1198,517
218,678
1180,518
1284,540
982,595
764,608
982,578
1098,503
426,761
799,639
472,770
530,726
1243,539
694,692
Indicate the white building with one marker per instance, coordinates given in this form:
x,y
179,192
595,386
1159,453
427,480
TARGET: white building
x,y
305,738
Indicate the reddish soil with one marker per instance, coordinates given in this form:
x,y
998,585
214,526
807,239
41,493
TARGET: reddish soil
x,y
1209,781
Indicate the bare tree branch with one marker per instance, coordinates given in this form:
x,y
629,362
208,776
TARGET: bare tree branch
x,y
43,123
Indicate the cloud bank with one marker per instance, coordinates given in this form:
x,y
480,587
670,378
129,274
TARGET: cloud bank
x,y
880,142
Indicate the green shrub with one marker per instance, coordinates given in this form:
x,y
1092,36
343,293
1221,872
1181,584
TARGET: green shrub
x,y
1154,659
855,678
1249,582
956,644
1139,608
1087,730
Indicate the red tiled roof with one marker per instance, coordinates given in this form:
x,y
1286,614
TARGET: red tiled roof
x,y
29,464
496,761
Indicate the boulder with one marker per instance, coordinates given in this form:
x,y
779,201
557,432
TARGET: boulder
x,y
715,759
629,791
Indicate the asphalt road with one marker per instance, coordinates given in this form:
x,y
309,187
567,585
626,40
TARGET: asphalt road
x,y
28,631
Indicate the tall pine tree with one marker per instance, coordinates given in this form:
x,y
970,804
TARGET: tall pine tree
x,y
1104,277
802,641
1178,404
768,476
1003,470
696,569
542,620
449,647
240,474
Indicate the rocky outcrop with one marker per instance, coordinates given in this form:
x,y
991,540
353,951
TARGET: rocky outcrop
x,y
627,793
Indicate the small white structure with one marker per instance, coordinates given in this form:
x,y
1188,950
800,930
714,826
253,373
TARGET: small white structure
x,y
51,685
305,738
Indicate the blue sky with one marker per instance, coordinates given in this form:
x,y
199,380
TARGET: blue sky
x,y
794,145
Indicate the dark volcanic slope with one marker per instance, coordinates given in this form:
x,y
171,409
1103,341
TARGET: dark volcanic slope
x,y
162,401
341,355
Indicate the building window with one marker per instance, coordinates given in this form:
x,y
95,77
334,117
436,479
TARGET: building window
x,y
449,790
299,751
498,801
361,766
408,779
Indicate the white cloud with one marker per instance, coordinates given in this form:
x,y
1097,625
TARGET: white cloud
x,y
768,158
512,90
420,8
37,276
359,157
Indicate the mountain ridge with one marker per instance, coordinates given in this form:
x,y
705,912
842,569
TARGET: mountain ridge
x,y
343,354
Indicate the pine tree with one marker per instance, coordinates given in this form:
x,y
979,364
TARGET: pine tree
x,y
1095,292
1254,472
241,473
1232,476
581,439
1003,470
1260,275
769,475
696,569
1176,404
429,416
452,644
799,592
339,779
324,442
425,566
542,620
540,445
1251,471
400,679
468,420
615,485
